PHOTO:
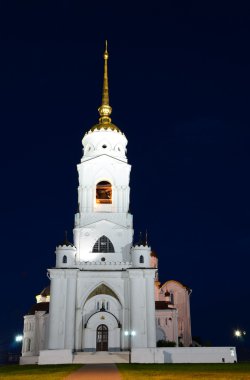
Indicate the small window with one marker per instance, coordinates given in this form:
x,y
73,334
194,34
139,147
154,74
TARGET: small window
x,y
104,192
141,259
159,321
166,321
64,259
104,146
107,306
172,297
98,306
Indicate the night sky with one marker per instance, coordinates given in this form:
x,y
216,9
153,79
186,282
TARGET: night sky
x,y
179,76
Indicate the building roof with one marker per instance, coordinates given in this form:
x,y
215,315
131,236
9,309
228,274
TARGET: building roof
x,y
178,283
45,292
65,242
153,254
41,306
105,126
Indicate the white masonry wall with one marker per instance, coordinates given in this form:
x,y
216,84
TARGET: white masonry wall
x,y
184,355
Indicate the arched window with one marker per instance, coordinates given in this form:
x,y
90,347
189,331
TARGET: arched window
x,y
103,245
64,259
141,259
27,344
104,192
172,297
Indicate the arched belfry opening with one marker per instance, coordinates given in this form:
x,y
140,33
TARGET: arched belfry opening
x,y
104,245
104,192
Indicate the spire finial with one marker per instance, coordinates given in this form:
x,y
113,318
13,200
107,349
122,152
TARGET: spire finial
x,y
140,239
105,109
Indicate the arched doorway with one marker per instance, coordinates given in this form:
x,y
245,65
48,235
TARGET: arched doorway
x,y
102,338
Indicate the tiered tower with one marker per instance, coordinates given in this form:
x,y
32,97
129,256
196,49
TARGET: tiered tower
x,y
101,279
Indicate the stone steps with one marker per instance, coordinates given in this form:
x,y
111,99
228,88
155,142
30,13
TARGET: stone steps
x,y
101,357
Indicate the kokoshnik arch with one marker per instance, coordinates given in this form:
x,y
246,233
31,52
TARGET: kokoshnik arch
x,y
104,292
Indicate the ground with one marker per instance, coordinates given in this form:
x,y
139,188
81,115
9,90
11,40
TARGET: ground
x,y
34,372
240,371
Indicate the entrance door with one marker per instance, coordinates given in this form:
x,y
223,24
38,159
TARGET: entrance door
x,y
102,338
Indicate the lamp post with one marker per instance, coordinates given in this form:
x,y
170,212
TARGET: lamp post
x,y
129,334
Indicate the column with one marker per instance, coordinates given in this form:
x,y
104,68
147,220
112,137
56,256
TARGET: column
x,y
70,308
137,314
150,299
56,279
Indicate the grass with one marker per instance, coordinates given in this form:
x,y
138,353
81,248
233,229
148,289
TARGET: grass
x,y
34,372
239,371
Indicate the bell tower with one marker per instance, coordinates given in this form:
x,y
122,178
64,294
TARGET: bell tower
x,y
103,192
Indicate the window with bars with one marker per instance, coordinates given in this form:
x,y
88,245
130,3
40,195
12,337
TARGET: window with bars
x,y
141,259
64,259
103,244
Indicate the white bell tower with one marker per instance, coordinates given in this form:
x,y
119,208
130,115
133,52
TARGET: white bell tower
x,y
103,192
102,284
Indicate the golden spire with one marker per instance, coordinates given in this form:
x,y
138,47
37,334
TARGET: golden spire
x,y
105,109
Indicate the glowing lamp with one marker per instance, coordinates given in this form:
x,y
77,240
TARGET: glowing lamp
x,y
238,333
19,338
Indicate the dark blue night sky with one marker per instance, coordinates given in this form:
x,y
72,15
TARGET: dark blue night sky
x,y
179,76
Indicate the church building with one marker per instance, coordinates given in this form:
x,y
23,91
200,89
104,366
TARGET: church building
x,y
104,292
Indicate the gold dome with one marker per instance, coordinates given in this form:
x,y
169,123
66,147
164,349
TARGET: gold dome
x,y
105,126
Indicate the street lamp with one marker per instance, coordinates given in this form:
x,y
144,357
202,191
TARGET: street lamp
x,y
239,333
18,338
130,334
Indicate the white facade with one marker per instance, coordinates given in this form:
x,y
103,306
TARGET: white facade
x,y
103,288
